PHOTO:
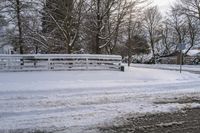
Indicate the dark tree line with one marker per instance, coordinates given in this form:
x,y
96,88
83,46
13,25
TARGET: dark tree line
x,y
125,27
69,26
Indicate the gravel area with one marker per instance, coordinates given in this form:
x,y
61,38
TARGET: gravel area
x,y
184,121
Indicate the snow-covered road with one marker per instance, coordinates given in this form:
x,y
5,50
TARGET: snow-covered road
x,y
75,101
188,68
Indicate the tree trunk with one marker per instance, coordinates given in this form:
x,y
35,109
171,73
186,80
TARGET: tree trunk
x,y
152,48
129,42
19,25
98,28
69,49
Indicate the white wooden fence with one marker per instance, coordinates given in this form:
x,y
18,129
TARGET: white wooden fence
x,y
53,62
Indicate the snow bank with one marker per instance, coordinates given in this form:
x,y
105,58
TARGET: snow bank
x,y
190,68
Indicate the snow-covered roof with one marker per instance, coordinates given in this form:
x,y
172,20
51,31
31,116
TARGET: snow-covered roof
x,y
6,45
193,52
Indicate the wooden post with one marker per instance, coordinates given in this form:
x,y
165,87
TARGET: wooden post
x,y
87,67
49,64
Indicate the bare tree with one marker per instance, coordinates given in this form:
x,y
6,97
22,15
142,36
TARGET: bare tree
x,y
118,17
17,14
167,39
190,7
178,24
99,24
190,12
114,23
14,9
62,20
133,29
152,25
193,32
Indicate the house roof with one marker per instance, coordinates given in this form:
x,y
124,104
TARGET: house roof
x,y
193,52
5,44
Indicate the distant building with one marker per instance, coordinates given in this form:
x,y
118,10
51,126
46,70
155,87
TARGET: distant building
x,y
6,49
192,57
194,52
169,59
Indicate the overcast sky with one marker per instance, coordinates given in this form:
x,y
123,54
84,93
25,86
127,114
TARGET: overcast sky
x,y
164,5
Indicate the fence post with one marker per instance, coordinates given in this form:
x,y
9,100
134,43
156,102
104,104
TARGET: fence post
x,y
8,64
49,64
87,67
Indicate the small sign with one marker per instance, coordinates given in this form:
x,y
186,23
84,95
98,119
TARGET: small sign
x,y
181,46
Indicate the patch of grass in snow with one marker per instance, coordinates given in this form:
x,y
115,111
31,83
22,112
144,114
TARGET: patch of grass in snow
x,y
180,100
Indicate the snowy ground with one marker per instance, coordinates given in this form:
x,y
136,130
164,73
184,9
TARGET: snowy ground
x,y
190,68
76,101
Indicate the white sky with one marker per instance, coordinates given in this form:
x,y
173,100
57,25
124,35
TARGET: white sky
x,y
164,5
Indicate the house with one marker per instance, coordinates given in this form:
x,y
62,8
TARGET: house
x,y
5,46
6,49
192,57
194,52
169,59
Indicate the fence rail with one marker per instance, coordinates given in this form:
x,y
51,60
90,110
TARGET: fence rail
x,y
59,62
